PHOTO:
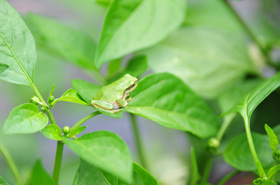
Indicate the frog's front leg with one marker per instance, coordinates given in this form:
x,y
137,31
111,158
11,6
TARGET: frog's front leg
x,y
121,102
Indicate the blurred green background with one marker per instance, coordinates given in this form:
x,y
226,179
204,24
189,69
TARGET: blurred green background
x,y
165,149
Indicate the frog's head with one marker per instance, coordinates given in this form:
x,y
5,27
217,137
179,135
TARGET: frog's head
x,y
130,83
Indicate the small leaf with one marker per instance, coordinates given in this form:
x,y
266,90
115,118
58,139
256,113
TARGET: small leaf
x,y
165,99
88,174
248,104
70,96
52,132
137,65
121,35
77,131
40,176
17,48
194,178
25,119
272,138
68,43
106,151
273,170
3,67
2,181
85,89
239,156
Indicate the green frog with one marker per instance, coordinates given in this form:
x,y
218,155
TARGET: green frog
x,y
113,97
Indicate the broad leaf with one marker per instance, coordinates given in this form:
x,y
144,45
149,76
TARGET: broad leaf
x,y
121,33
248,104
40,176
85,89
239,156
3,67
2,181
52,132
70,96
165,99
77,131
206,13
197,55
272,138
17,46
106,151
90,175
25,119
68,43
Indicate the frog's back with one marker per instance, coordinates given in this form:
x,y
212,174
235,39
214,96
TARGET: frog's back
x,y
109,93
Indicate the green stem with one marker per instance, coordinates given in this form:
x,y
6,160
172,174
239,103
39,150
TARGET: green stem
x,y
227,120
227,177
11,163
85,119
138,140
58,160
248,31
252,148
52,120
207,170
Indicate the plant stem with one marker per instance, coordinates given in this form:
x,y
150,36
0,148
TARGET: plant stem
x,y
138,140
91,115
252,148
11,163
58,160
228,176
227,120
52,120
207,170
248,31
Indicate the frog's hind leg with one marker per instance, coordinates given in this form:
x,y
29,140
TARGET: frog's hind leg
x,y
121,103
100,104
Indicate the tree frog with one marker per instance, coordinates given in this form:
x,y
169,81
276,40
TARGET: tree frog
x,y
113,97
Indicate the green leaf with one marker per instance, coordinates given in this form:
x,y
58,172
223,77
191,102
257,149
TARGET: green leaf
x,y
85,89
25,119
52,132
121,33
105,3
3,67
90,175
17,48
197,55
2,181
135,67
248,104
68,43
269,182
106,151
40,176
239,156
194,178
77,131
272,138
70,96
206,13
272,171
165,99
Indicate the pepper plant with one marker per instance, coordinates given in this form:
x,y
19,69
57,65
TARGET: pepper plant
x,y
194,66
